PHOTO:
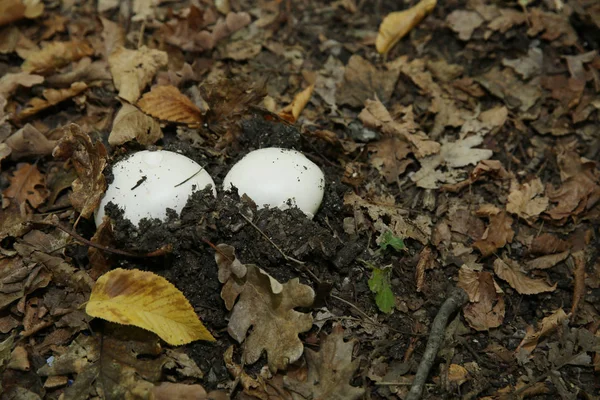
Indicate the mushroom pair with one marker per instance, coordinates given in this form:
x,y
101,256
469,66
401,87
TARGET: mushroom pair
x,y
148,182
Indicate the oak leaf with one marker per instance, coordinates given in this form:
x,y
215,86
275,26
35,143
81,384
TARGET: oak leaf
x,y
89,160
330,371
527,200
498,233
27,185
169,104
148,301
486,308
51,98
132,124
509,271
56,55
268,307
397,24
292,111
133,70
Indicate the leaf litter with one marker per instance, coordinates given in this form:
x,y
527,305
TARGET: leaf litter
x,y
459,146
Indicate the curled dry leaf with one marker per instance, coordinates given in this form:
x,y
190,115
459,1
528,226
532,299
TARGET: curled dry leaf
x,y
547,261
292,111
10,82
132,124
547,325
329,371
486,308
55,55
167,103
51,98
268,307
27,185
148,301
89,161
527,200
509,271
133,70
397,24
28,141
498,233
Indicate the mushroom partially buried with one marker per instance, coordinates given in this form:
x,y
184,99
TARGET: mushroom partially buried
x,y
148,182
275,177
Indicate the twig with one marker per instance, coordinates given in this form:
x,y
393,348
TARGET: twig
x,y
361,312
156,253
457,298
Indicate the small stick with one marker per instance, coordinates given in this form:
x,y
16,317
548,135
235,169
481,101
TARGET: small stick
x,y
156,253
457,298
361,312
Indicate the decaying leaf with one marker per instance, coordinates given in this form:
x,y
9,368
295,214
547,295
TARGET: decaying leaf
x,y
18,279
28,141
397,24
149,301
51,98
55,55
329,371
133,70
169,104
14,10
510,271
547,325
527,200
267,306
10,82
292,111
486,308
547,261
89,161
498,233
27,185
131,124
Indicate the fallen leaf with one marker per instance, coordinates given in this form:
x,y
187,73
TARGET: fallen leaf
x,y
527,200
506,86
133,70
14,10
379,283
547,243
457,374
389,157
555,27
329,371
464,23
179,391
51,98
547,261
486,308
292,111
426,261
82,70
267,306
18,279
547,325
148,301
27,185
10,82
578,261
529,65
113,36
56,55
89,160
509,271
498,233
397,24
167,103
28,142
362,81
131,124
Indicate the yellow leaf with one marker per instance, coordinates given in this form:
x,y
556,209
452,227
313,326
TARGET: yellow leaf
x,y
292,111
148,301
397,24
169,104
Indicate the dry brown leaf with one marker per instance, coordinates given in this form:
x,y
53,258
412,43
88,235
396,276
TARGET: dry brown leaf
x,y
547,325
397,24
10,82
132,124
28,141
14,10
113,36
330,371
547,261
457,374
579,289
510,271
148,301
18,279
292,111
89,161
389,157
426,261
83,70
179,391
27,185
133,70
55,55
527,200
485,168
167,103
51,98
486,308
266,306
498,233
547,243
464,23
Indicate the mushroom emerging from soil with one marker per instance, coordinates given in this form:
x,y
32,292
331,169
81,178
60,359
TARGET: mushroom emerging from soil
x,y
274,177
148,182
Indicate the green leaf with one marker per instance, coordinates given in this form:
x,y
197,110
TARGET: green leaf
x,y
388,239
379,283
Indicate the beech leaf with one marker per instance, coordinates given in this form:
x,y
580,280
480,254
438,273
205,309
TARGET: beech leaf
x,y
397,24
148,301
169,104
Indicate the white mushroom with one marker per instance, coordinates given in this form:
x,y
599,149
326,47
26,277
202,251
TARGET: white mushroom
x,y
275,177
148,182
